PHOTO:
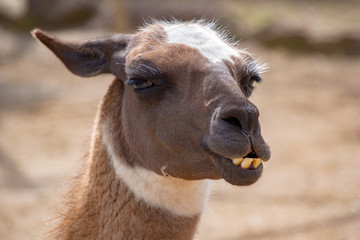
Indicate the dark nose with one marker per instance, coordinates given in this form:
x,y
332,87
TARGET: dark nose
x,y
243,116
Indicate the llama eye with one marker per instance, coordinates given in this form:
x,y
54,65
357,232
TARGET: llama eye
x,y
248,84
255,78
139,83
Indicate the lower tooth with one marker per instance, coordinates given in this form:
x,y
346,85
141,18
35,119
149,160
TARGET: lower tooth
x,y
246,162
256,162
237,161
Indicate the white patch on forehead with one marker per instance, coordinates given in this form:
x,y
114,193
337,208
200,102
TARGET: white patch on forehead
x,y
201,37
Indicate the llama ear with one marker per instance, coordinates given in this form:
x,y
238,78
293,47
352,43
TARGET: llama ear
x,y
88,58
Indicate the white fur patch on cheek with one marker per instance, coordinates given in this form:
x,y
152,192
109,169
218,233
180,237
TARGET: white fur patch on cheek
x,y
180,197
206,40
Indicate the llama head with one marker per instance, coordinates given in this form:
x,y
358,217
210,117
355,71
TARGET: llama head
x,y
182,104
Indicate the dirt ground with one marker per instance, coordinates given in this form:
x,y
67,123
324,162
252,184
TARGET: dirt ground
x,y
310,115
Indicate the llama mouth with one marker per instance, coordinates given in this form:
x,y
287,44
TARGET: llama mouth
x,y
239,171
250,161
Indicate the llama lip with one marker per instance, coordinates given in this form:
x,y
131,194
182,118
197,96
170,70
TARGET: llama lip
x,y
238,175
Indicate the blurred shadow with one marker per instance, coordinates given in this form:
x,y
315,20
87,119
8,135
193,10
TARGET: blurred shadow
x,y
13,177
18,98
20,44
22,96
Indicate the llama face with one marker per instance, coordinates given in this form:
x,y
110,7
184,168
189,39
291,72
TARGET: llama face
x,y
182,109
187,90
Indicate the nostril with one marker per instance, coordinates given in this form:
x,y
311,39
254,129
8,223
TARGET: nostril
x,y
233,121
243,117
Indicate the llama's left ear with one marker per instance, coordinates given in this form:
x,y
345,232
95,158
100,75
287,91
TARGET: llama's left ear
x,y
88,58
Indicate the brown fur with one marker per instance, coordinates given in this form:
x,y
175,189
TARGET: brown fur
x,y
191,121
102,207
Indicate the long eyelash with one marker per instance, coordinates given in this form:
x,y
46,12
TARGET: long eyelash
x,y
133,81
144,71
255,68
154,72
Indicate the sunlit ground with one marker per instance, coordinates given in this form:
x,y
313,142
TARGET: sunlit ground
x,y
309,105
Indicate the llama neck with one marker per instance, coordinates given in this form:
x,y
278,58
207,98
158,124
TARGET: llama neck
x,y
179,197
114,200
118,201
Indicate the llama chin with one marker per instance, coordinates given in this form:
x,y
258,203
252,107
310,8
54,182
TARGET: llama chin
x,y
176,115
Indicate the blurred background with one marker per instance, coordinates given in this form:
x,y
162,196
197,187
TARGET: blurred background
x,y
309,103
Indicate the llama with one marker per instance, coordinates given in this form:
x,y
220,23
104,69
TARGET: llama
x,y
176,116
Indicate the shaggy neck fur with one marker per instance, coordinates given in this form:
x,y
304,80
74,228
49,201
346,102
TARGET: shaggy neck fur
x,y
113,200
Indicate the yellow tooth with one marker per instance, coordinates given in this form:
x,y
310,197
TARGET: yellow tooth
x,y
237,161
246,163
257,162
